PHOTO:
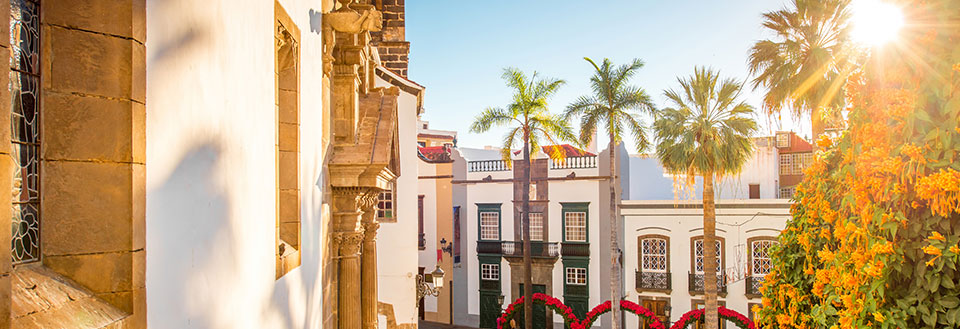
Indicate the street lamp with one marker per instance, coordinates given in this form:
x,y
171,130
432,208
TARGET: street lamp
x,y
424,289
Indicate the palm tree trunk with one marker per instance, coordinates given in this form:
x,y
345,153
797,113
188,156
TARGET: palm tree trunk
x,y
525,223
709,254
614,239
816,123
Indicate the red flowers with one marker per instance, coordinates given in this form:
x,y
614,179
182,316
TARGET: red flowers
x,y
725,314
566,312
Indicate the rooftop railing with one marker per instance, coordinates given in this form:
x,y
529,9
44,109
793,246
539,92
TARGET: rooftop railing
x,y
581,162
487,166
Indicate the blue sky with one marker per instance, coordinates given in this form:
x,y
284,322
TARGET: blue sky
x,y
459,48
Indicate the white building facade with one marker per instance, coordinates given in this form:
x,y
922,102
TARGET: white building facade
x,y
568,241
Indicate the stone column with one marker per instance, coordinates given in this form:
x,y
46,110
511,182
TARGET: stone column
x,y
348,238
350,306
369,264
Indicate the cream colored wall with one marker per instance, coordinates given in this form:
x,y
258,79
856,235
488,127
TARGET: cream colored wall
x,y
397,242
211,137
680,224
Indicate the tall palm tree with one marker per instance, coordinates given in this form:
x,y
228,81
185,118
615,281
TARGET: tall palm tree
x,y
705,133
806,64
616,105
531,123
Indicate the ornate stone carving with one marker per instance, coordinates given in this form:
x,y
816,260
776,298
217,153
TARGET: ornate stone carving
x,y
350,21
350,243
370,231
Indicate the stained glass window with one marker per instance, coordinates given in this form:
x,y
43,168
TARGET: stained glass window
x,y
385,205
25,129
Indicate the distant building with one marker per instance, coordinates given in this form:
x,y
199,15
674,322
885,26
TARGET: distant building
x,y
436,217
569,207
663,229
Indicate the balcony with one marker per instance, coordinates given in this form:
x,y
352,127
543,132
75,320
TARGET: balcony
x,y
654,281
753,284
695,282
580,249
489,247
574,163
538,249
487,166
422,242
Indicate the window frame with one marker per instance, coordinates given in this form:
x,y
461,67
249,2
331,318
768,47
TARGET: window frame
x,y
575,207
489,208
539,227
640,253
693,254
577,271
391,190
493,268
750,258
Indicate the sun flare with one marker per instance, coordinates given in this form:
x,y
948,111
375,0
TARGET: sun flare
x,y
875,22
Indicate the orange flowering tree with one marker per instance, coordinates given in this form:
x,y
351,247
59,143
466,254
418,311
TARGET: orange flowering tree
x,y
873,242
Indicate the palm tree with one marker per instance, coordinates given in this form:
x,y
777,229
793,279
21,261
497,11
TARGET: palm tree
x,y
615,104
531,122
806,64
706,133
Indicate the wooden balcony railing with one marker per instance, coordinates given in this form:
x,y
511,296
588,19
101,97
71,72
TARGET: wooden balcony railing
x,y
489,247
575,249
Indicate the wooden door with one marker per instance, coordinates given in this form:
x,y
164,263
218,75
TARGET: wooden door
x,y
659,308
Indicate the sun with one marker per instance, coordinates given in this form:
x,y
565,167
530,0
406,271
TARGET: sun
x,y
875,22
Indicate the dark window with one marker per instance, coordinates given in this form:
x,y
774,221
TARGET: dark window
x,y
456,234
422,242
754,191
25,129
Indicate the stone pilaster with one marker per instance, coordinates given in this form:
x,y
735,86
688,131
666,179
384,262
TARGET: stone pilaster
x,y
369,265
349,287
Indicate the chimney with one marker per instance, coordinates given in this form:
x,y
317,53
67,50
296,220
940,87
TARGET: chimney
x,y
391,41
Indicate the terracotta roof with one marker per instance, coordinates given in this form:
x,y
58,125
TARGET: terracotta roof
x,y
434,154
569,150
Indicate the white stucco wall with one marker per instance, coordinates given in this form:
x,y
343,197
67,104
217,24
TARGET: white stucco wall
x,y
648,181
760,218
397,251
427,258
211,138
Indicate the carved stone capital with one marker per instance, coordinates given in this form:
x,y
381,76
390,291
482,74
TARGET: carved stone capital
x,y
370,231
349,243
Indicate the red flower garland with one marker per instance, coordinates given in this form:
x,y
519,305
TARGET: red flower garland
x,y
725,313
571,319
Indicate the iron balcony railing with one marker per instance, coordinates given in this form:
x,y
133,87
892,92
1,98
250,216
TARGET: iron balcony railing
x,y
574,162
487,165
575,249
539,249
654,280
753,284
696,283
